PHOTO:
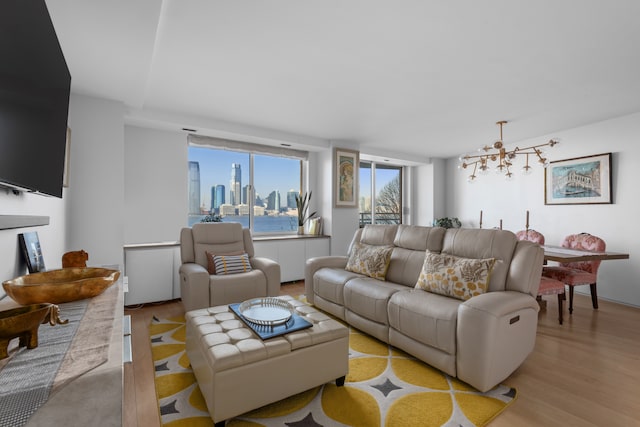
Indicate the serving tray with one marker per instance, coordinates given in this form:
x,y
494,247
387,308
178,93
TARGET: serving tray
x,y
266,311
293,324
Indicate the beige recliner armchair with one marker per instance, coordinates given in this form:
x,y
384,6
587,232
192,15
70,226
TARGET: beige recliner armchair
x,y
200,289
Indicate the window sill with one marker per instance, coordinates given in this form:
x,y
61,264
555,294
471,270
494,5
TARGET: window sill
x,y
267,237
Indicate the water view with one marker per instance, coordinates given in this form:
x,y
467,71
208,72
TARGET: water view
x,y
262,224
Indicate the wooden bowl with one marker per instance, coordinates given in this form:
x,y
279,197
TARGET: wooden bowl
x,y
59,286
22,322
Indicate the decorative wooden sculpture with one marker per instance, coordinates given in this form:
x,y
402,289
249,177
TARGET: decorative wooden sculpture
x,y
23,323
75,259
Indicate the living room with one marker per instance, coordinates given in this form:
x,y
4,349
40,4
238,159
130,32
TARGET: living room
x,y
114,143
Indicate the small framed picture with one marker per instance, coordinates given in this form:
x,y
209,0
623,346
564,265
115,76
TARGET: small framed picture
x,y
345,187
32,252
578,181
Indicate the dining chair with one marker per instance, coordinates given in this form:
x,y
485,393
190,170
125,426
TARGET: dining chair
x,y
582,272
548,286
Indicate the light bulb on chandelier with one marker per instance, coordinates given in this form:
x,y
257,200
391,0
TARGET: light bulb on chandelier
x,y
504,157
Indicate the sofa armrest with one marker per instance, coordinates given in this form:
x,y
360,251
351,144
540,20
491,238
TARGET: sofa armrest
x,y
271,270
194,286
496,332
314,264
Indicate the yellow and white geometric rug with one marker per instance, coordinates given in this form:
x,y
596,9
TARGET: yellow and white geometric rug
x,y
384,387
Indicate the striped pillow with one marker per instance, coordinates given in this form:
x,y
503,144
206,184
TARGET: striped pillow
x,y
231,264
211,267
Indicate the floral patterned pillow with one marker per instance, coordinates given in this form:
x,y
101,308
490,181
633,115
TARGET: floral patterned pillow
x,y
370,260
453,276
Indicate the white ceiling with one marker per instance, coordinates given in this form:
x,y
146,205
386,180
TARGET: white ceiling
x,y
402,78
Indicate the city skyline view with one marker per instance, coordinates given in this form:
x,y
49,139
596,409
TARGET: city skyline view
x,y
270,173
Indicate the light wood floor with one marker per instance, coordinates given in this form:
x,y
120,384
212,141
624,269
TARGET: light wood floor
x,y
585,372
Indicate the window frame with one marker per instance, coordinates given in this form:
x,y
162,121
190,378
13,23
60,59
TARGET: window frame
x,y
253,150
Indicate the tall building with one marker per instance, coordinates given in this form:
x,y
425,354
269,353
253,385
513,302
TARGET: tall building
x,y
273,201
291,199
213,199
194,188
246,191
219,199
236,185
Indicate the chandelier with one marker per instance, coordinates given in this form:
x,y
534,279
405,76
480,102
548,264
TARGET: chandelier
x,y
503,157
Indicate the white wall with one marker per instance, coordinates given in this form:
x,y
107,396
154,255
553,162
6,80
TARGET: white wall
x,y
155,191
96,179
428,194
615,223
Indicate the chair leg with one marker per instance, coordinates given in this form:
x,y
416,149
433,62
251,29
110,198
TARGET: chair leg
x,y
594,295
570,299
561,299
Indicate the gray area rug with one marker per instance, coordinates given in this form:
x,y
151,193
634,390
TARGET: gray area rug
x,y
26,381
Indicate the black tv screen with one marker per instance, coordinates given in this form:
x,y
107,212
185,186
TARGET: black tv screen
x,y
34,99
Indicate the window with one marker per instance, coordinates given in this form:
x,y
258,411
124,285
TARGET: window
x,y
384,182
254,185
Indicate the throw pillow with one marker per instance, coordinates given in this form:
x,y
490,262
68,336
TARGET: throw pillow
x,y
370,260
231,264
211,267
453,276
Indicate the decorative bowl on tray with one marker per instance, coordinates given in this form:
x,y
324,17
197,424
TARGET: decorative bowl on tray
x,y
266,311
59,286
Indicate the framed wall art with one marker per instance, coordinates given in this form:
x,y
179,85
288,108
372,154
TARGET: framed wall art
x,y
345,187
582,180
31,251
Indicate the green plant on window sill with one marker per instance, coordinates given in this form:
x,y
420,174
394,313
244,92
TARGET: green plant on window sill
x,y
302,203
447,222
212,217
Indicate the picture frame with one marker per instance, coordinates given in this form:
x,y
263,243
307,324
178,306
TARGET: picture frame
x,y
579,181
346,172
31,251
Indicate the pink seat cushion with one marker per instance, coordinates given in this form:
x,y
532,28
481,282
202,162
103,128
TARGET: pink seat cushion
x,y
570,276
550,286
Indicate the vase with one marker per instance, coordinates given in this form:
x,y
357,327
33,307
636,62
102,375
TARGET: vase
x,y
301,229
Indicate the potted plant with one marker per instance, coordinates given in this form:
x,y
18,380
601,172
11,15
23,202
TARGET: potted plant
x,y
447,222
212,217
302,203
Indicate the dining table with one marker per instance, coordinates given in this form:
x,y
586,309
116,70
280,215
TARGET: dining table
x,y
561,254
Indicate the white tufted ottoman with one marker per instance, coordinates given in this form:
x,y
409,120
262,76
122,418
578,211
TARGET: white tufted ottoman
x,y
238,372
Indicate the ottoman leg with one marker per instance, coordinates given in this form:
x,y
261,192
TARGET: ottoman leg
x,y
220,424
340,381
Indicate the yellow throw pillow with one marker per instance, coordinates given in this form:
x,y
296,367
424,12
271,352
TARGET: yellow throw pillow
x,y
453,276
370,260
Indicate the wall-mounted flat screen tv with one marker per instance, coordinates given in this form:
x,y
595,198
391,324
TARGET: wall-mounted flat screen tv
x,y
34,99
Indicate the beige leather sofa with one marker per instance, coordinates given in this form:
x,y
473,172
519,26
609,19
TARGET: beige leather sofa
x,y
200,289
481,340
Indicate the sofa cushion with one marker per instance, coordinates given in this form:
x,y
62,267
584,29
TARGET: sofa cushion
x,y
231,264
453,276
484,243
378,234
369,298
419,238
328,283
370,260
428,318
